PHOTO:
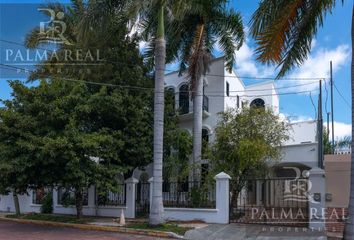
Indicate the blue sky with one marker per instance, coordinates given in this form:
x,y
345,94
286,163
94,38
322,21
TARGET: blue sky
x,y
332,43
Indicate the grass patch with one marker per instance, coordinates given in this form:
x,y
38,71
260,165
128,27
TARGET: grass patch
x,y
167,227
51,217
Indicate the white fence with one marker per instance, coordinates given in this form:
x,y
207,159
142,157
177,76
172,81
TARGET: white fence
x,y
219,214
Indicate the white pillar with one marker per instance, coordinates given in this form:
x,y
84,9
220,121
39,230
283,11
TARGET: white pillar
x,y
222,197
151,181
55,198
258,193
91,200
130,197
317,189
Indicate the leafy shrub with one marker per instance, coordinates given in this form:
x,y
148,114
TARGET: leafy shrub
x,y
47,204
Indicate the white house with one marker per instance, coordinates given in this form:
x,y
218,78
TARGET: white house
x,y
222,90
299,158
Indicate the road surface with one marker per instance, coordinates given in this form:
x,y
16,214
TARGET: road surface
x,y
18,231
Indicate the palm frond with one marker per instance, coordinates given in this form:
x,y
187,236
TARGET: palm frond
x,y
284,30
228,28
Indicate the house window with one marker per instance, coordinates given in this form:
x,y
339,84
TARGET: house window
x,y
205,135
184,99
238,101
39,195
66,197
258,103
227,89
205,142
204,172
170,97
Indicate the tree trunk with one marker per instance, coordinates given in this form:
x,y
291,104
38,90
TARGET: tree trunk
x,y
78,202
157,210
16,203
197,125
349,227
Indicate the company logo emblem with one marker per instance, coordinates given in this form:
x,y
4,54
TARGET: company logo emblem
x,y
53,30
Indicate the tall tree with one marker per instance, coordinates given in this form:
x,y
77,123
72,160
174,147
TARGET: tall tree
x,y
18,165
154,12
191,40
284,31
110,83
244,142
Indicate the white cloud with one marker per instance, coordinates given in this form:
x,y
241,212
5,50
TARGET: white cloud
x,y
340,129
142,45
246,64
300,118
317,64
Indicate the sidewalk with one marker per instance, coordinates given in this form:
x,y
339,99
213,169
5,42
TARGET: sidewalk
x,y
252,232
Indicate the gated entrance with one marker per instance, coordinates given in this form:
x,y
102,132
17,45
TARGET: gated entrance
x,y
278,201
142,203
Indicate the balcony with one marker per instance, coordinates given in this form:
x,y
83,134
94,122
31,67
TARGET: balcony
x,y
186,109
205,103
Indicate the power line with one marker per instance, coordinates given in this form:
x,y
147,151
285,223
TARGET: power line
x,y
174,70
235,91
340,94
152,89
313,104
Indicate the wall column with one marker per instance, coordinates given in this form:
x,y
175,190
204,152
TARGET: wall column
x,y
223,197
130,197
317,189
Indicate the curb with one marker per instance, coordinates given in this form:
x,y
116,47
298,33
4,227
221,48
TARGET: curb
x,y
151,233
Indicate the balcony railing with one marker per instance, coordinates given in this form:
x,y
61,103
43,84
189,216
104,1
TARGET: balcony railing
x,y
184,106
205,103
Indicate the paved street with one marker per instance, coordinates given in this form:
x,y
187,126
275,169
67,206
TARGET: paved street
x,y
17,231
252,232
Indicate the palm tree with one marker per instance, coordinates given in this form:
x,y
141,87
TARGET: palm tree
x,y
191,40
150,16
284,31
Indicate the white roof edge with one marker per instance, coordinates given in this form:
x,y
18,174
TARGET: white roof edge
x,y
307,121
261,83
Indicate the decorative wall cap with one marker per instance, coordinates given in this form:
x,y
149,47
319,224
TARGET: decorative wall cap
x,y
131,180
317,171
222,175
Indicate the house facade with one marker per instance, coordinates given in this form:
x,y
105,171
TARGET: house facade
x,y
224,90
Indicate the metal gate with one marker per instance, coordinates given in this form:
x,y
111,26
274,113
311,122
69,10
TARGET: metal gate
x,y
278,201
142,203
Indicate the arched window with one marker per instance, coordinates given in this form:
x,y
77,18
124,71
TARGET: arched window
x,y
205,141
258,103
170,97
184,99
205,135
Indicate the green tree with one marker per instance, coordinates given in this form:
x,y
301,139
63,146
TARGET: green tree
x,y
327,146
284,31
102,25
191,41
114,86
245,141
18,170
84,137
151,17
177,144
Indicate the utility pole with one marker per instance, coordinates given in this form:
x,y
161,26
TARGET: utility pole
x,y
320,129
332,112
328,124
